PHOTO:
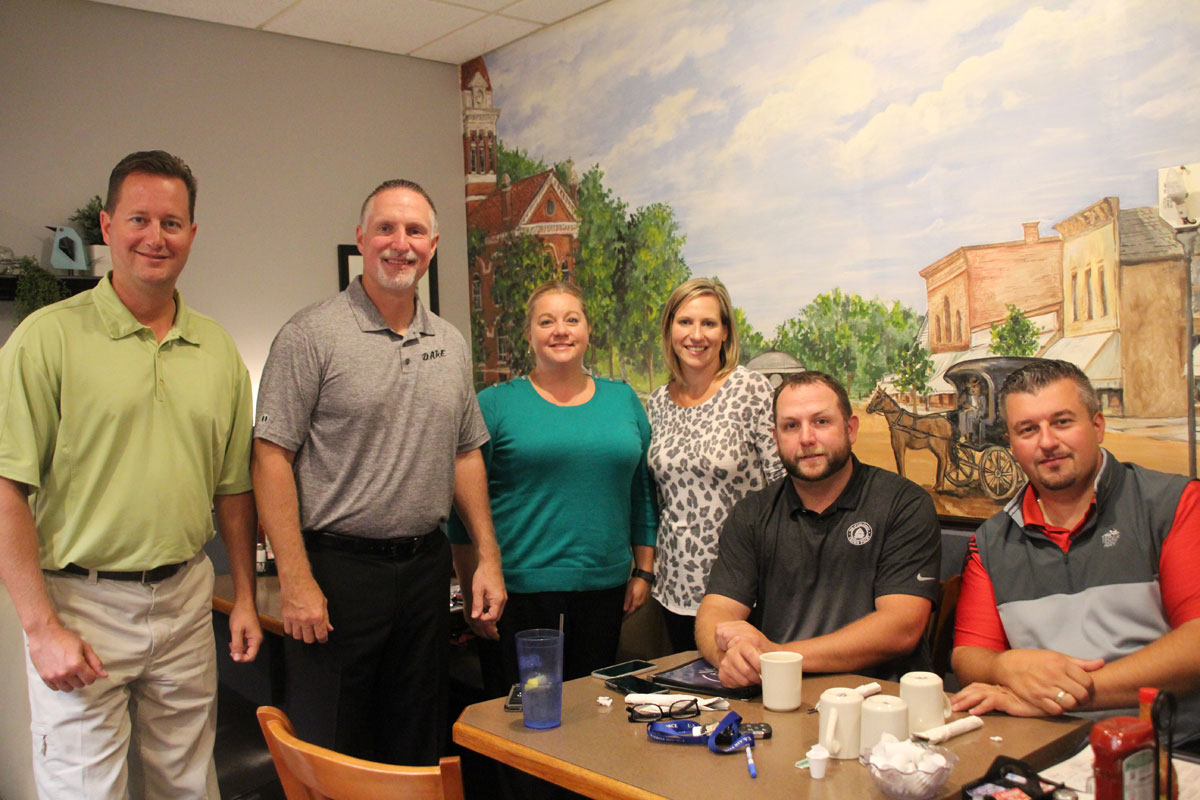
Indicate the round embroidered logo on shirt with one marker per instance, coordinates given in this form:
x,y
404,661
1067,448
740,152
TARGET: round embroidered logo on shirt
x,y
859,533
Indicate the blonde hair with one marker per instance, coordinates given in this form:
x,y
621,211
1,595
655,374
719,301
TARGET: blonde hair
x,y
553,287
731,351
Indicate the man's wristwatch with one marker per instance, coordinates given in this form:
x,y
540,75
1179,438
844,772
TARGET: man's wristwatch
x,y
645,575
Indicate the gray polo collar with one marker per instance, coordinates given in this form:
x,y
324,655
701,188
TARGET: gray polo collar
x,y
369,319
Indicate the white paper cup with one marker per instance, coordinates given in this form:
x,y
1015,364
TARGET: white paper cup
x,y
818,759
782,675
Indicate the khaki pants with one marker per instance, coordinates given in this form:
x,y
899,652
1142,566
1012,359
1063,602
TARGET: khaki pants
x,y
147,730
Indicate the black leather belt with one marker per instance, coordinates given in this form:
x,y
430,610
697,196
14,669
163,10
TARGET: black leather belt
x,y
397,548
143,576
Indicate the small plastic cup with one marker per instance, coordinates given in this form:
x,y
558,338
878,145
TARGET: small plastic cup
x,y
539,662
818,758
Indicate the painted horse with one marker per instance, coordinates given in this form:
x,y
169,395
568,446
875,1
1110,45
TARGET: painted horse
x,y
914,432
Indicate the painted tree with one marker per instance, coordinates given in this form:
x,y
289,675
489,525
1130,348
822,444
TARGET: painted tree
x,y
1016,336
600,263
856,340
913,371
753,343
519,266
654,249
516,163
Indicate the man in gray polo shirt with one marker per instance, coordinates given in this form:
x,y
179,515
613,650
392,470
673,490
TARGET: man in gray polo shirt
x,y
838,559
367,429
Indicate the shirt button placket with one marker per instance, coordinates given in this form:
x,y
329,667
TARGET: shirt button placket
x,y
160,382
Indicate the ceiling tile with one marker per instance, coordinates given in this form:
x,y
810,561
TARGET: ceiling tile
x,y
245,13
475,39
548,11
391,26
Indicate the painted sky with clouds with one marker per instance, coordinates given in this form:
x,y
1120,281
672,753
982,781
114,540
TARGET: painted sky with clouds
x,y
808,145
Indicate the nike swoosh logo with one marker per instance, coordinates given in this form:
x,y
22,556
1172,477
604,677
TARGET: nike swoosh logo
x,y
921,577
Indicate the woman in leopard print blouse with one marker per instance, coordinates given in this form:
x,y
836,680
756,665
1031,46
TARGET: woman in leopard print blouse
x,y
711,443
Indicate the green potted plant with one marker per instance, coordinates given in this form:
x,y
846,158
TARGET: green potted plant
x,y
36,287
87,222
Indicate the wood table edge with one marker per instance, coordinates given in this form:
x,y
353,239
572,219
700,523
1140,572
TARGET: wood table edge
x,y
526,759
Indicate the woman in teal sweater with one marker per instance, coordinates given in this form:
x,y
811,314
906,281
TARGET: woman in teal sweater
x,y
572,501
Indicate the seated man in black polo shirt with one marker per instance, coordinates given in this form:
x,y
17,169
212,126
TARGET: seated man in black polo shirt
x,y
839,560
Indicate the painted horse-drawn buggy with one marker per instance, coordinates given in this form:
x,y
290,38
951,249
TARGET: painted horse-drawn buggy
x,y
969,441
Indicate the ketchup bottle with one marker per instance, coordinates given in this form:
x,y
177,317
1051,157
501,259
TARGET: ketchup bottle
x,y
1124,766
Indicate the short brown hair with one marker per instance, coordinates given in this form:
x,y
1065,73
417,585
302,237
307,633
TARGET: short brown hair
x,y
150,162
731,351
1038,374
553,287
808,378
401,183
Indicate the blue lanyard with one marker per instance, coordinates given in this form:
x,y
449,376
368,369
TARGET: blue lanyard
x,y
725,738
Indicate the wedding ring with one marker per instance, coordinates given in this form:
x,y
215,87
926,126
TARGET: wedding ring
x,y
1058,698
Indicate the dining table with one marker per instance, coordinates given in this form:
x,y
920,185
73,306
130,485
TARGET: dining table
x,y
599,753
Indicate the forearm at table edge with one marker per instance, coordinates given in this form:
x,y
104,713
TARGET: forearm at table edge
x,y
1169,662
974,664
715,609
893,630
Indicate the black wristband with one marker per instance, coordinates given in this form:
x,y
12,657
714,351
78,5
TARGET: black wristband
x,y
648,577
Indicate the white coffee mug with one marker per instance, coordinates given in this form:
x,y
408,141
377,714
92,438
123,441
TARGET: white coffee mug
x,y
883,713
841,711
782,674
928,705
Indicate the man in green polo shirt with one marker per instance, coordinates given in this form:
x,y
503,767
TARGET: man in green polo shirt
x,y
124,419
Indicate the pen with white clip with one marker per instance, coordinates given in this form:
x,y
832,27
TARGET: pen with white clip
x,y
750,762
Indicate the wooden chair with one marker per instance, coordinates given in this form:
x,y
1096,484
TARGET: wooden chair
x,y
941,625
308,772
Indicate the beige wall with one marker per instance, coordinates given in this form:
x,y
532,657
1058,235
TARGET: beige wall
x,y
286,137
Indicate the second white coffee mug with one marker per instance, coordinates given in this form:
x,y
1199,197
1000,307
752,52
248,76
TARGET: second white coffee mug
x,y
782,674
928,705
883,713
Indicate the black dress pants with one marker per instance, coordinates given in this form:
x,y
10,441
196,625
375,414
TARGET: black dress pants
x,y
378,688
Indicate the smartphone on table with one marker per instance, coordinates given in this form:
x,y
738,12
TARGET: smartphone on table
x,y
513,703
632,684
634,667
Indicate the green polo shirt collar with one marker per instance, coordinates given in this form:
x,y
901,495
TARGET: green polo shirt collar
x,y
119,321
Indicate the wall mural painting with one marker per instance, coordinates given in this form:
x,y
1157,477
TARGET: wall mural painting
x,y
912,196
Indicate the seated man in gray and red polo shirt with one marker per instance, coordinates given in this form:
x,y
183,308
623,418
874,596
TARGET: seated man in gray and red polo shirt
x,y
1085,587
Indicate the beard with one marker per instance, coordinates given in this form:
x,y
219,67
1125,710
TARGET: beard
x,y
834,460
1066,476
401,280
